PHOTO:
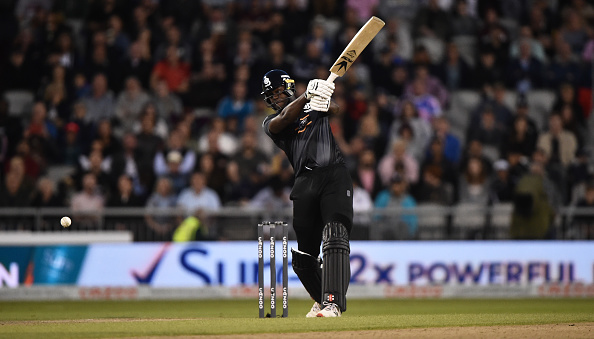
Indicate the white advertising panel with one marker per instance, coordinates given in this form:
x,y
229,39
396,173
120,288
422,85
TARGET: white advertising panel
x,y
497,263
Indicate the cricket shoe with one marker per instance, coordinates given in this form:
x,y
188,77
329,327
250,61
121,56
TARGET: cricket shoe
x,y
330,311
315,309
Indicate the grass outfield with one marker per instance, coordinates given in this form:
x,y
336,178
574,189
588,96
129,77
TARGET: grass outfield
x,y
102,319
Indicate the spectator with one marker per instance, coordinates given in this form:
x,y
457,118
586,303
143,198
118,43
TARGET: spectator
x,y
474,149
438,178
432,22
585,223
490,134
218,140
536,48
367,174
136,65
128,161
573,31
18,74
124,196
559,145
525,71
432,85
163,199
369,130
110,144
173,70
566,97
463,23
454,71
396,197
521,138
426,104
501,188
494,37
487,72
17,188
175,143
100,102
564,68
70,149
252,163
89,200
420,131
46,194
169,105
362,205
398,157
236,191
130,103
275,196
495,102
473,185
173,37
198,196
451,143
178,178
533,212
236,106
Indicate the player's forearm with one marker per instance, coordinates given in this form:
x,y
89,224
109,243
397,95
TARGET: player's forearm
x,y
287,115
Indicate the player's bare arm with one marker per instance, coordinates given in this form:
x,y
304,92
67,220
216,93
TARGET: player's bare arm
x,y
289,114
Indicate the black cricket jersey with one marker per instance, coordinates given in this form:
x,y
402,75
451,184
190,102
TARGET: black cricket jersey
x,y
308,141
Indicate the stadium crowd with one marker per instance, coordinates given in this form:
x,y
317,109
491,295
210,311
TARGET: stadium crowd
x,y
157,103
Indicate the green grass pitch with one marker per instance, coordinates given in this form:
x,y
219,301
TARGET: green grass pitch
x,y
108,319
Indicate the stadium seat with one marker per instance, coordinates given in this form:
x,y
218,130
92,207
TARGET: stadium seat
x,y
540,103
59,172
501,219
434,46
431,220
466,47
468,220
19,101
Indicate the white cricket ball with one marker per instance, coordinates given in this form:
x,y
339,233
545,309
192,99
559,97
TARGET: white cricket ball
x,y
65,221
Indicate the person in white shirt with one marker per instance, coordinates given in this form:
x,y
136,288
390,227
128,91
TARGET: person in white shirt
x,y
198,196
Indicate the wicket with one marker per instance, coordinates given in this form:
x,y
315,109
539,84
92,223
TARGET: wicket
x,y
285,241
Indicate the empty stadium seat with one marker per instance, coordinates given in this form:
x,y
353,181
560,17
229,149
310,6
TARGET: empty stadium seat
x,y
501,219
466,47
468,219
19,101
431,220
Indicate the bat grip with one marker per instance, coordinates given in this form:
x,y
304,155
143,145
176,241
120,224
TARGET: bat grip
x,y
332,77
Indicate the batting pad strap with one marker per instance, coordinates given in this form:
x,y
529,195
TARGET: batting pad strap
x,y
336,273
308,269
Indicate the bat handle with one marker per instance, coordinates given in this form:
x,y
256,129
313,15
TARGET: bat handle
x,y
332,77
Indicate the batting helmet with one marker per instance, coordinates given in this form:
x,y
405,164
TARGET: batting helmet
x,y
274,79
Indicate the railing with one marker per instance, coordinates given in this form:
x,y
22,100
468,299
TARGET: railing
x,y
433,222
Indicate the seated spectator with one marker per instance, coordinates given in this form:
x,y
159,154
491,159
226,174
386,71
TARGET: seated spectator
x,y
433,86
501,188
487,71
17,188
86,129
148,140
524,72
88,200
41,127
366,173
584,224
236,191
521,138
396,196
124,196
454,72
70,148
169,105
419,131
100,103
559,145
473,185
159,126
474,149
426,104
536,47
369,130
34,161
253,164
574,31
173,70
110,144
493,36
432,22
96,164
398,156
362,205
463,23
162,199
198,197
275,196
566,97
564,68
136,65
438,176
451,143
130,103
218,140
175,143
129,161
236,105
489,134
46,194
179,180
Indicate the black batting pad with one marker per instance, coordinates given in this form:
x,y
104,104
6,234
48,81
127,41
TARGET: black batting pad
x,y
308,269
336,272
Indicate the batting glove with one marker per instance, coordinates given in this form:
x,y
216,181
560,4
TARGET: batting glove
x,y
319,87
319,103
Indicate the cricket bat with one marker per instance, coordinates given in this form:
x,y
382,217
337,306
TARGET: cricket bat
x,y
355,47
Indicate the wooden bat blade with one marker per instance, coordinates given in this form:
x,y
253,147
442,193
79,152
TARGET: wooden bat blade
x,y
356,46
